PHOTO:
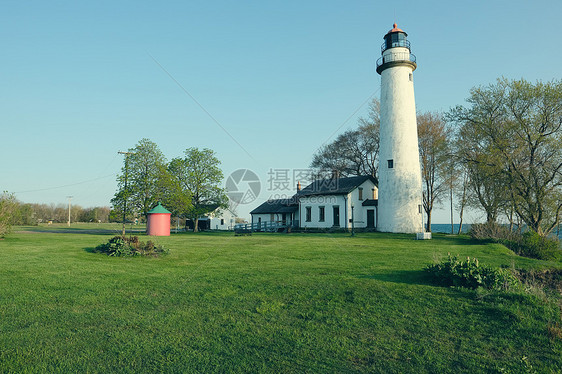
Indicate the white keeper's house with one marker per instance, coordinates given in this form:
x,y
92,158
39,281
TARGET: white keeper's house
x,y
326,203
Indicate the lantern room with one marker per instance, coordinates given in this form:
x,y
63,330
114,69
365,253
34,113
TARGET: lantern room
x,y
395,38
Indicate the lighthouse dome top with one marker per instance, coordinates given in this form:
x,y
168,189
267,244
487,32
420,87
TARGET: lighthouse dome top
x,y
395,38
395,29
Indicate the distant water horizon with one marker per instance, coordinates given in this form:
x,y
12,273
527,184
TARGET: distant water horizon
x,y
446,228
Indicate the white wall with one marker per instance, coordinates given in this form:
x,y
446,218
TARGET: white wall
x,y
227,216
360,211
328,202
344,202
399,187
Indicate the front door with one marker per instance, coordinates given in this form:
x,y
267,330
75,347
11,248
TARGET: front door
x,y
337,215
370,218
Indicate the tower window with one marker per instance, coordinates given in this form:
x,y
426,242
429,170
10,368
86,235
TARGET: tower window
x,y
411,77
390,164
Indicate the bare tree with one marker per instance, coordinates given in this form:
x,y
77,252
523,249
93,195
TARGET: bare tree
x,y
354,152
462,202
435,157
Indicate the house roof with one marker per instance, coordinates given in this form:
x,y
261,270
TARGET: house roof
x,y
277,206
334,186
370,202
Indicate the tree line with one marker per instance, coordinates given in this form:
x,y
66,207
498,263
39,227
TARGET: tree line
x,y
500,153
14,212
188,186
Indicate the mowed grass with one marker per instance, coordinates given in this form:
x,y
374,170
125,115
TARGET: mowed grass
x,y
264,303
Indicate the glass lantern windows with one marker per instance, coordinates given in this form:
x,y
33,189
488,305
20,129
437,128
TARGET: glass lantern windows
x,y
396,39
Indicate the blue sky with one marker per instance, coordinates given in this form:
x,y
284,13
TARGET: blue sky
x,y
80,81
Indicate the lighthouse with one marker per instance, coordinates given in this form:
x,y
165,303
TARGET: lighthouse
x,y
400,186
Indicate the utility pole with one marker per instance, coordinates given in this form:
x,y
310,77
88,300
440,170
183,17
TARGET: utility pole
x,y
69,205
451,197
352,221
125,192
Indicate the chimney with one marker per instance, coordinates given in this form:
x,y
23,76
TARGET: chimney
x,y
298,186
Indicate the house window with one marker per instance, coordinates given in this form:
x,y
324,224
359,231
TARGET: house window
x,y
308,214
222,221
272,218
390,164
360,193
321,213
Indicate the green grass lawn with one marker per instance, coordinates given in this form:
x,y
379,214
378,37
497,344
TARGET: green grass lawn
x,y
264,303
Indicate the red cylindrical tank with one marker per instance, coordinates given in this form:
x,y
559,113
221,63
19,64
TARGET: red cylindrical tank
x,y
158,221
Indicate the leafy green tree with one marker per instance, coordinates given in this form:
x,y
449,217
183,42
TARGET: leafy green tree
x,y
141,182
8,210
177,197
196,180
95,214
534,160
481,129
510,138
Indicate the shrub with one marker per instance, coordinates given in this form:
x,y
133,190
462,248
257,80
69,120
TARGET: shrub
x,y
531,244
130,246
470,274
491,231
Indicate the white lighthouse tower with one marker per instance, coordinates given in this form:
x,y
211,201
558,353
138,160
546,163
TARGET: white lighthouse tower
x,y
400,186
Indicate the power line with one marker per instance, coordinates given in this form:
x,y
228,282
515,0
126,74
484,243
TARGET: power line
x,y
200,106
65,185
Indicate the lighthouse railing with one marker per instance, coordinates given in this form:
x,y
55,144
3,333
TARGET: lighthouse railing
x,y
393,57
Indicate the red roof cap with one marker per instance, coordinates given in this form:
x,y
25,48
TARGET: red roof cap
x,y
395,28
